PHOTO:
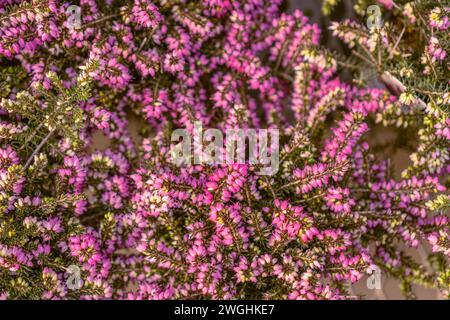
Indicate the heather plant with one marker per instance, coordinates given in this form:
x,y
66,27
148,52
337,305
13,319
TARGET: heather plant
x,y
407,53
126,222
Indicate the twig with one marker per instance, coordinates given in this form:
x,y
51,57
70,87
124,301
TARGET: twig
x,y
397,88
391,55
87,25
247,194
320,195
38,148
305,179
270,187
363,58
31,136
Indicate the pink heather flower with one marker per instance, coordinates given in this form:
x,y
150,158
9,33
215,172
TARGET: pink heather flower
x,y
435,50
287,270
8,157
338,201
86,248
388,4
116,189
73,173
317,176
438,240
147,62
439,18
346,135
53,225
173,62
101,119
114,74
145,14
443,129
